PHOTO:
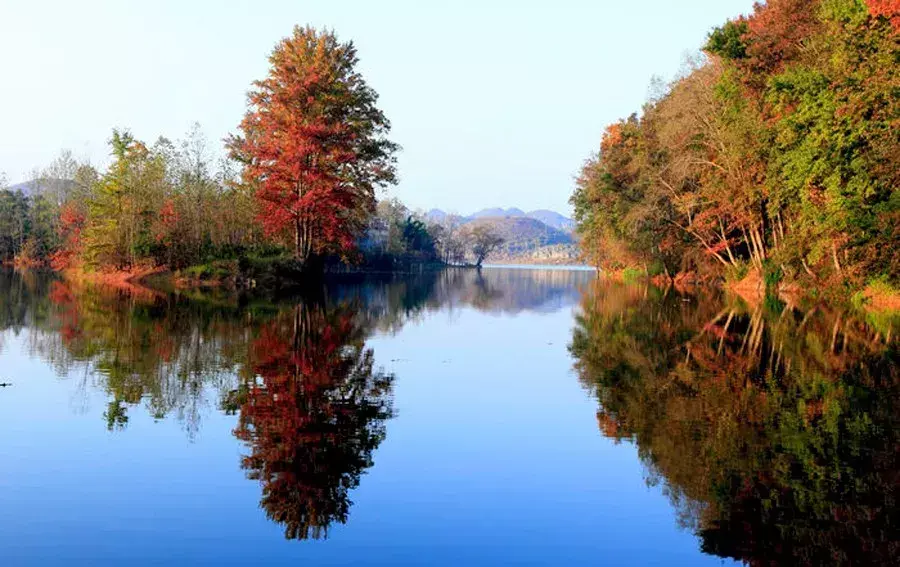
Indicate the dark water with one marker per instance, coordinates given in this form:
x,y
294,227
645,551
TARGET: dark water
x,y
520,417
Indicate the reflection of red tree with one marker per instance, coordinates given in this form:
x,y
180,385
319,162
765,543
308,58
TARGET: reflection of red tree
x,y
312,418
61,296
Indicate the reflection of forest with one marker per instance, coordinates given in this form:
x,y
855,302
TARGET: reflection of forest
x,y
774,430
311,402
494,290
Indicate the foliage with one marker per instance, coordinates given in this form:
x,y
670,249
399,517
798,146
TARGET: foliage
x,y
314,144
313,150
778,151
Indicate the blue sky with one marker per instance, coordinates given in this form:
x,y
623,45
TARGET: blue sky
x,y
494,102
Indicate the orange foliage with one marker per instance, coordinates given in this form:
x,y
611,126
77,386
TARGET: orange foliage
x,y
612,137
889,9
71,224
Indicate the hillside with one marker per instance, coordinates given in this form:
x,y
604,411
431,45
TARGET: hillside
x,y
537,237
521,235
552,219
498,212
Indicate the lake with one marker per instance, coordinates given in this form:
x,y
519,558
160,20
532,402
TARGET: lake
x,y
512,416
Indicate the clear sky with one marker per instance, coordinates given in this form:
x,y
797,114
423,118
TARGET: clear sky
x,y
496,103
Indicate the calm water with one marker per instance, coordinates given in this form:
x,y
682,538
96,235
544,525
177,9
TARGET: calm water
x,y
518,417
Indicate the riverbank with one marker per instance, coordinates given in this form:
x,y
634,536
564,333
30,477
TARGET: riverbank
x,y
273,273
877,298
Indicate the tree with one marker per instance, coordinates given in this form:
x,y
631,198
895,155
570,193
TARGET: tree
x,y
124,204
14,213
483,241
314,144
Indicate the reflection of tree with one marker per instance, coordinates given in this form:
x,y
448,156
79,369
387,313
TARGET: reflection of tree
x,y
774,431
391,302
168,354
313,416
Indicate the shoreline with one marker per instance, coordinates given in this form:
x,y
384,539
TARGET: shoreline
x,y
876,300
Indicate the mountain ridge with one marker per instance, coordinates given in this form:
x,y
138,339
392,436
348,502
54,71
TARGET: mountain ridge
x,y
549,217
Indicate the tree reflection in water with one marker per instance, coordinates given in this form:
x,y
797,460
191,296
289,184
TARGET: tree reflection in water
x,y
774,430
312,415
310,401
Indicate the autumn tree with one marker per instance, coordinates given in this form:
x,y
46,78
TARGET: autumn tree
x,y
775,154
314,144
889,9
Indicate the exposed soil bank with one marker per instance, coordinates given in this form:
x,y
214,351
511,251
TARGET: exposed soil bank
x,y
132,280
880,299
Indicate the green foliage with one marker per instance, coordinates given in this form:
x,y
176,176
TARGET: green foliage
x,y
772,276
781,150
632,275
737,272
729,41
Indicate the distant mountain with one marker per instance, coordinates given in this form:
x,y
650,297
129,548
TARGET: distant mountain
x,y
550,218
25,187
33,187
436,215
553,219
498,212
521,234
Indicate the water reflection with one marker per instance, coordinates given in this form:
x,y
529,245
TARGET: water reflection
x,y
311,401
773,429
312,415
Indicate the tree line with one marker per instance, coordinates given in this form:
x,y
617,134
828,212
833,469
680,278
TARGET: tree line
x,y
775,154
299,180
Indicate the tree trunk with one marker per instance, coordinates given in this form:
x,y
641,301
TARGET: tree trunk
x,y
297,255
834,256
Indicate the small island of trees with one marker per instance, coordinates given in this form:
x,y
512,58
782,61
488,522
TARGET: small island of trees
x,y
295,194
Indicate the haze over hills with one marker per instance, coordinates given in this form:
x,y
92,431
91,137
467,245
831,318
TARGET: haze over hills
x,y
32,187
549,218
540,236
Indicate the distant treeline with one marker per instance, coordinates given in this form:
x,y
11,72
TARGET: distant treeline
x,y
776,155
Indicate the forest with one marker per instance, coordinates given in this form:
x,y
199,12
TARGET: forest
x,y
771,161
297,188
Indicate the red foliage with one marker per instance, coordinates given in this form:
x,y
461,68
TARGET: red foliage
x,y
312,144
168,219
71,225
889,9
777,30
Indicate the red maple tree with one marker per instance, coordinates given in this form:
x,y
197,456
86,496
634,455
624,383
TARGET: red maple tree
x,y
314,144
